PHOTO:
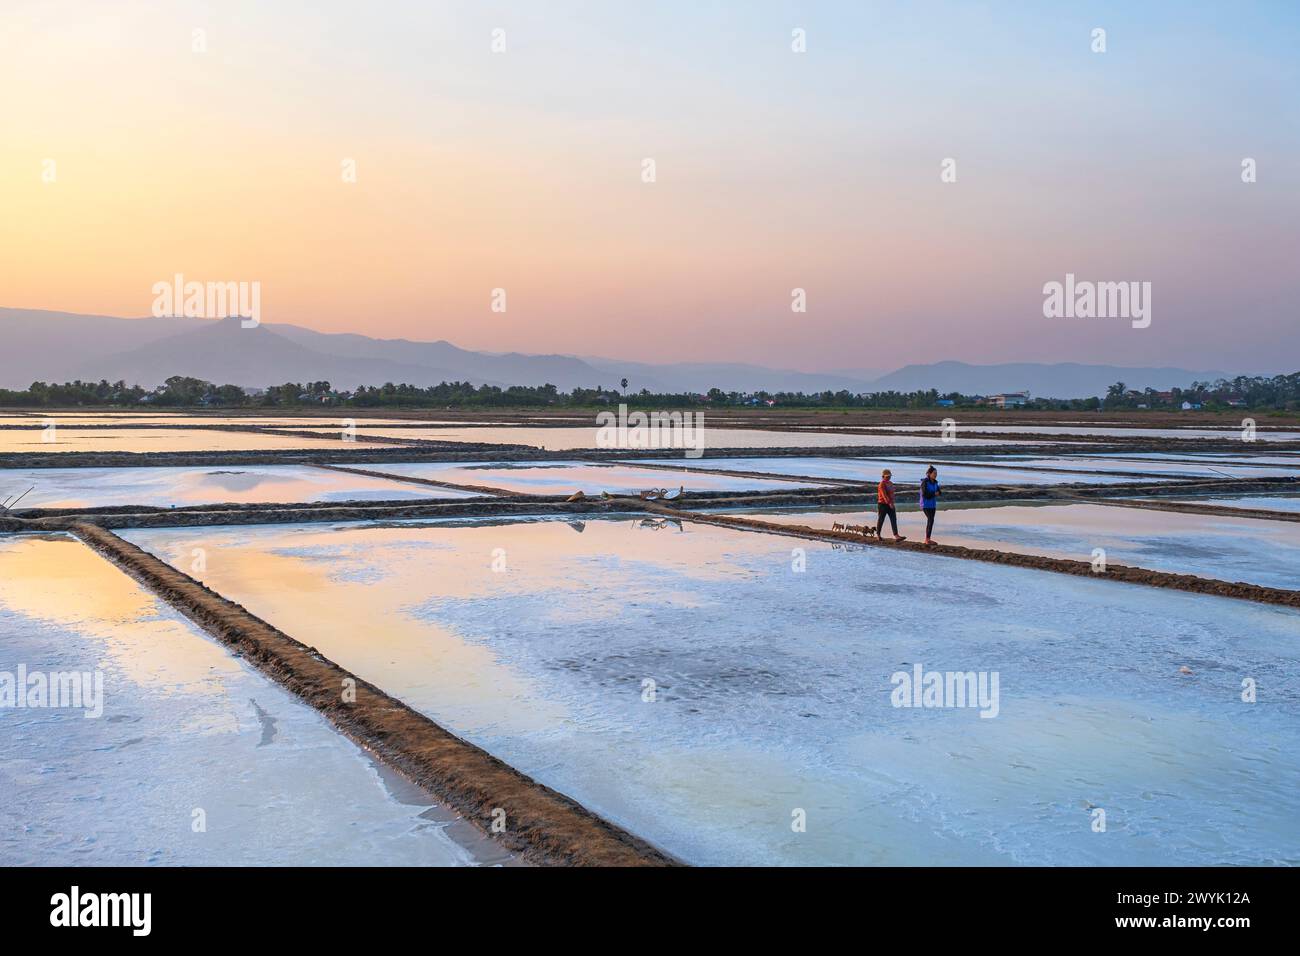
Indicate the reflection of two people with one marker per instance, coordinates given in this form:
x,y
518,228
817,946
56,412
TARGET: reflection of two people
x,y
657,524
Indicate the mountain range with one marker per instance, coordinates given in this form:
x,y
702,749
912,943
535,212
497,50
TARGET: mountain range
x,y
59,346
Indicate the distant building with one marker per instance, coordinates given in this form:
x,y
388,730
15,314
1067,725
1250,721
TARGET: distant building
x,y
945,403
1009,400
1191,406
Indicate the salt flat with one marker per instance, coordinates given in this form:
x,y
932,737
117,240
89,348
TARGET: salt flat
x,y
188,735
868,470
35,441
565,477
771,687
573,439
166,487
1259,552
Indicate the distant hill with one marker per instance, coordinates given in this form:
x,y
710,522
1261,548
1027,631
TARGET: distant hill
x,y
57,346
1063,380
224,352
60,346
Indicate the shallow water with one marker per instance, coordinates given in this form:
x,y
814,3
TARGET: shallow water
x,y
772,687
566,439
185,727
905,472
179,420
564,477
165,487
1230,549
1228,432
157,439
1258,502
1173,468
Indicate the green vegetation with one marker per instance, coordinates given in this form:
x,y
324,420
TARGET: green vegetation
x,y
1281,393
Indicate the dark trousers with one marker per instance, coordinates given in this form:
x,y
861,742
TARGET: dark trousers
x,y
929,520
882,510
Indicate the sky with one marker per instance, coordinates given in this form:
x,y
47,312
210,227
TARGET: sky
x,y
128,156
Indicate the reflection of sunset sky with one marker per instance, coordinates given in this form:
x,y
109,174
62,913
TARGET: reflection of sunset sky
x,y
775,170
62,581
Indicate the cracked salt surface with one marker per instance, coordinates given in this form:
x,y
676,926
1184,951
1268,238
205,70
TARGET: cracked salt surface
x,y
185,727
774,694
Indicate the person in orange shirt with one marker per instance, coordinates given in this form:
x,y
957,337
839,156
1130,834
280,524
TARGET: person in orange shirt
x,y
885,505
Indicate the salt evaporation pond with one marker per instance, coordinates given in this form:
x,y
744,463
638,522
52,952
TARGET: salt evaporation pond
x,y
1290,461
1227,432
178,420
167,487
772,687
35,441
581,439
184,727
867,470
1229,549
1174,468
565,477
1255,503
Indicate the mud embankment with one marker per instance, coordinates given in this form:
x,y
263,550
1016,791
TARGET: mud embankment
x,y
216,515
1195,508
429,482
503,502
335,451
541,825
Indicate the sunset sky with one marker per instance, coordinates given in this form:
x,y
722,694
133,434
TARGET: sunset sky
x,y
522,170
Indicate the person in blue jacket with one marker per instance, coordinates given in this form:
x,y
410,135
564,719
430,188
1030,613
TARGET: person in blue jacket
x,y
929,500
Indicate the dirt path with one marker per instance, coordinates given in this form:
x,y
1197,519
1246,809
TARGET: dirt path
x,y
543,826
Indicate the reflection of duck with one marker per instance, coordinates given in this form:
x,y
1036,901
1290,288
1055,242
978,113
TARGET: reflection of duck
x,y
578,526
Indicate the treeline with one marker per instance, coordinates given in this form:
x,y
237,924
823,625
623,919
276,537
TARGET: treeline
x,y
1244,391
1281,392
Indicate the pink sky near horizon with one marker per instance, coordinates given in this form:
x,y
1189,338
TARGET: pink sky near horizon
x,y
521,171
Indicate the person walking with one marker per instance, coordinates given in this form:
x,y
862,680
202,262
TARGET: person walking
x,y
885,505
930,500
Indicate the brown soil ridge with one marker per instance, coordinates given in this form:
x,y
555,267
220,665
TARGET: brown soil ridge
x,y
542,825
431,482
1196,508
508,503
1114,572
412,450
